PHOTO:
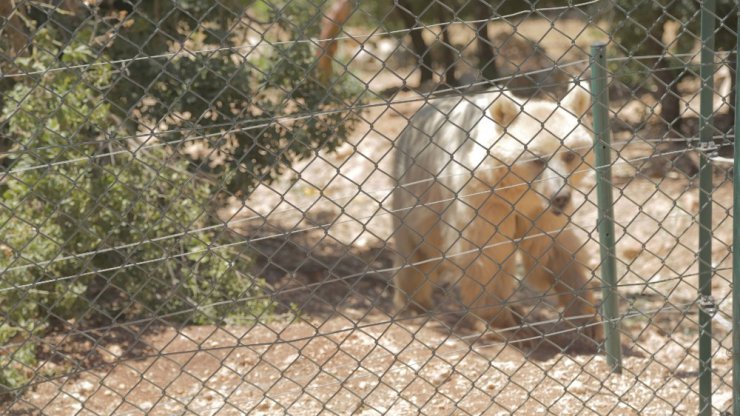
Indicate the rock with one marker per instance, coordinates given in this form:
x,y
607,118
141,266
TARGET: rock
x,y
86,387
440,375
576,387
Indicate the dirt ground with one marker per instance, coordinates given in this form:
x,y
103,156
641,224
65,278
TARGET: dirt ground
x,y
324,244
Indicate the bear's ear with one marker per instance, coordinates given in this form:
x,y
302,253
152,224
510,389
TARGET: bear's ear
x,y
578,99
504,110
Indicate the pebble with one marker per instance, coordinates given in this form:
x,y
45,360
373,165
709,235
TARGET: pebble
x,y
576,387
440,375
85,387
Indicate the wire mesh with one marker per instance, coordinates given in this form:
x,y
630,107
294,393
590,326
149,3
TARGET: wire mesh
x,y
298,207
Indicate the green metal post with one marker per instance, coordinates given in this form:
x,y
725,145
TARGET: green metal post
x,y
706,73
602,152
736,243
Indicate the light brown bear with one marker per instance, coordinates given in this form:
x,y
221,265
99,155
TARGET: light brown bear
x,y
481,178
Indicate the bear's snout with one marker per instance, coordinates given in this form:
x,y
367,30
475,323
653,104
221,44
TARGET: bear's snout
x,y
560,201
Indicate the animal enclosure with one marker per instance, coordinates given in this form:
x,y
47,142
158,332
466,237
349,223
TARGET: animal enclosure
x,y
342,207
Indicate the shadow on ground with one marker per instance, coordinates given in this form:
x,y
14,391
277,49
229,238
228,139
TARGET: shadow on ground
x,y
323,278
318,275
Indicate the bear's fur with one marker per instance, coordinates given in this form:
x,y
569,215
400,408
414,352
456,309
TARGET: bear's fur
x,y
480,179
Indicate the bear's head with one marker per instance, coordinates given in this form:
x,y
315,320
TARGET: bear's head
x,y
545,145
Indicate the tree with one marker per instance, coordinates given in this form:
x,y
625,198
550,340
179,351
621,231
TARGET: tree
x,y
639,31
104,218
94,229
227,92
412,12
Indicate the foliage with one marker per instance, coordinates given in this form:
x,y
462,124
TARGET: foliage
x,y
252,103
103,219
261,115
639,27
96,228
226,93
637,22
429,12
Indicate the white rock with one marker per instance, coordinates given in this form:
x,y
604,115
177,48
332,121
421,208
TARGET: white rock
x,y
440,375
576,387
85,387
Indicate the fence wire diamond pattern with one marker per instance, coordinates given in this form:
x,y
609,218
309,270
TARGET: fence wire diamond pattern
x,y
339,207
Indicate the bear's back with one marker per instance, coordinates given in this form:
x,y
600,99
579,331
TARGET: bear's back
x,y
442,139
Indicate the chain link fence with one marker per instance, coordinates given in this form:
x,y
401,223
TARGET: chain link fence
x,y
339,207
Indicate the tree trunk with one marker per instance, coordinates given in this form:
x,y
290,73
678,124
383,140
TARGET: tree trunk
x,y
668,94
331,25
667,82
417,41
486,58
450,57
732,64
14,29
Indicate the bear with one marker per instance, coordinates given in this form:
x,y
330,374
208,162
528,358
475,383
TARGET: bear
x,y
485,182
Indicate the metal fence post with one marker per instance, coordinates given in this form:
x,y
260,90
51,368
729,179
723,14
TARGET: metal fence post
x,y
706,73
602,150
736,243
